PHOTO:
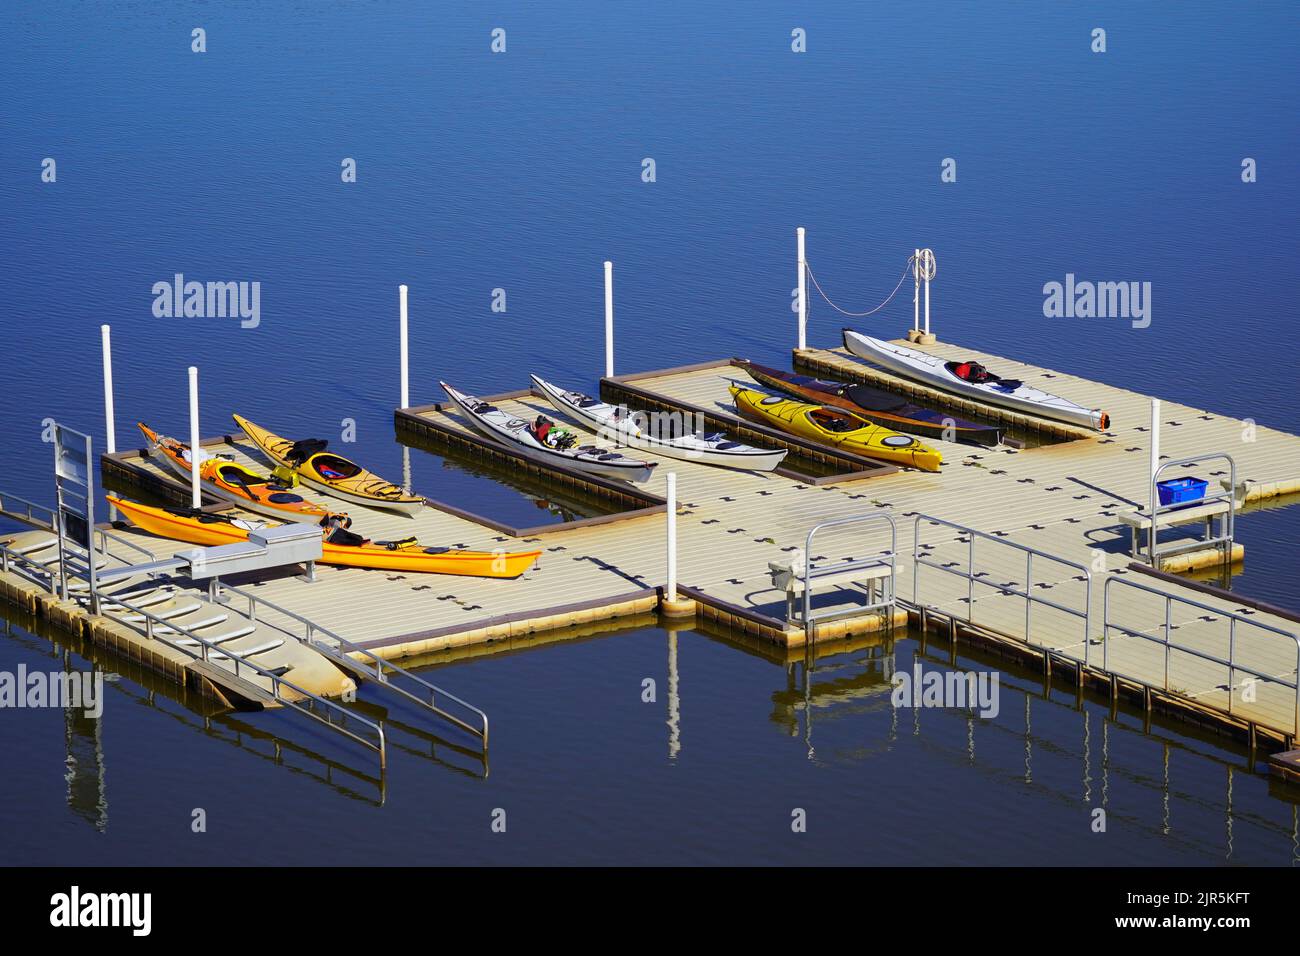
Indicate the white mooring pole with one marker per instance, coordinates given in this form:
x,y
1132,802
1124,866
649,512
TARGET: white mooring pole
x,y
916,291
109,431
196,450
406,380
670,589
1155,437
927,300
803,290
609,319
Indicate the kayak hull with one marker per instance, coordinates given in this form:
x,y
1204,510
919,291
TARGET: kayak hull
x,y
875,405
931,370
484,564
363,488
868,439
514,434
599,417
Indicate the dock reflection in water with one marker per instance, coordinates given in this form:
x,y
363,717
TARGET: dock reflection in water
x,y
590,770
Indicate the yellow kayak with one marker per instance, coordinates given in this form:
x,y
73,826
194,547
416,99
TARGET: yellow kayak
x,y
354,552
835,426
331,473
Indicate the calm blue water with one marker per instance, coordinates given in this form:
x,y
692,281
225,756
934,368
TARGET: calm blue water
x,y
522,172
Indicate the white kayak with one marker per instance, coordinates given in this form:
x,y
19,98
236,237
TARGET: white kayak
x,y
1009,393
518,435
634,428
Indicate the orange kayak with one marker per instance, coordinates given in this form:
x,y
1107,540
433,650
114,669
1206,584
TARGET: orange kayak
x,y
406,555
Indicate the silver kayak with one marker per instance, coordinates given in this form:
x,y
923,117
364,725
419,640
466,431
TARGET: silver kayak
x,y
932,370
618,425
517,434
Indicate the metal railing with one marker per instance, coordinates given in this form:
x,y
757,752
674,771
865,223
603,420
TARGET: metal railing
x,y
971,535
1231,663
1156,508
34,571
28,513
376,668
149,626
879,560
105,536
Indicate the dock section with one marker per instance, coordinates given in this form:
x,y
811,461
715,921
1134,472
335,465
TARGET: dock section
x,y
1062,499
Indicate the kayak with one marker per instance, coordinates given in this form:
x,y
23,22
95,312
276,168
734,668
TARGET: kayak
x,y
873,404
518,435
231,481
1009,393
618,424
406,555
835,426
331,473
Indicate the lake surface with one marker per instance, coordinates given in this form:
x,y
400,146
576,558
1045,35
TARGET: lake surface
x,y
522,172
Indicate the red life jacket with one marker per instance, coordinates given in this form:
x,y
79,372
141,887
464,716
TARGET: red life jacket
x,y
542,431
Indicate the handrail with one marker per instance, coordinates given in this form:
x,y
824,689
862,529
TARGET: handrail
x,y
277,682
1167,628
1157,509
27,515
106,536
1030,598
39,573
809,627
382,668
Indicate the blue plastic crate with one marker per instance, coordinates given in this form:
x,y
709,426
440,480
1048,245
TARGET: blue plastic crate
x,y
1181,491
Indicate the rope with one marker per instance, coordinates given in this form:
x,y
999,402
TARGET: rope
x,y
858,315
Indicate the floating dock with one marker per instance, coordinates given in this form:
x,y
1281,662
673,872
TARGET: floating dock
x,y
1006,522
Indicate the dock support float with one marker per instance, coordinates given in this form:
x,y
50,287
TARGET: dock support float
x,y
672,605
